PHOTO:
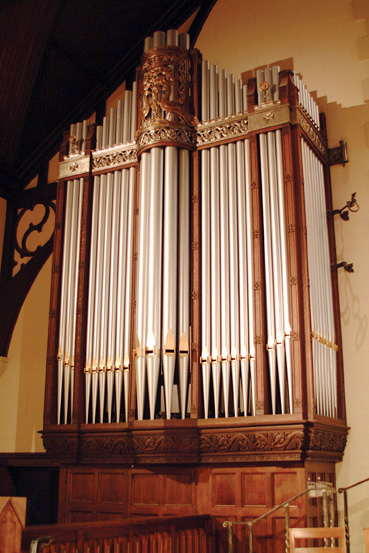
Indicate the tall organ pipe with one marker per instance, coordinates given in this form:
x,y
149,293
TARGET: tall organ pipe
x,y
277,266
71,293
233,276
105,293
91,295
169,324
78,184
98,295
250,277
142,292
128,288
64,292
215,248
243,273
268,270
122,260
285,279
113,291
153,340
205,248
224,251
184,276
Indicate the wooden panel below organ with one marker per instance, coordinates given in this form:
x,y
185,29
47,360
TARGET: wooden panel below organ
x,y
234,493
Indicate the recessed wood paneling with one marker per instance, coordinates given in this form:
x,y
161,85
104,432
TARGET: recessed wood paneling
x,y
254,489
81,516
224,489
113,488
285,486
82,487
146,489
110,516
178,489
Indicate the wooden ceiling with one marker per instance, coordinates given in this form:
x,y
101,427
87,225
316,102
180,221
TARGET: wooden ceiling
x,y
60,60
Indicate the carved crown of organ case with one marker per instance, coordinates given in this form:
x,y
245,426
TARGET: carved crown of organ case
x,y
194,314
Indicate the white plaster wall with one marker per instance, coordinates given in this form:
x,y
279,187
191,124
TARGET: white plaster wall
x,y
22,373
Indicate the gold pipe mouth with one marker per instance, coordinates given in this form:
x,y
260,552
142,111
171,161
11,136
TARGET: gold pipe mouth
x,y
87,370
169,352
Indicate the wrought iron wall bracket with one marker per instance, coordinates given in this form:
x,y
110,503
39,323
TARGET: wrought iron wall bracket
x,y
351,205
338,155
349,267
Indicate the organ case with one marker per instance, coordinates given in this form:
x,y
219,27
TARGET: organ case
x,y
194,313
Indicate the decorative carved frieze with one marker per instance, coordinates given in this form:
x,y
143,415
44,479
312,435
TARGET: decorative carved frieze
x,y
115,157
200,444
221,129
246,441
165,134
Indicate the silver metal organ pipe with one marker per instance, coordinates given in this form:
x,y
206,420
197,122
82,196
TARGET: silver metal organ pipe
x,y
314,300
103,368
105,132
230,94
285,276
128,288
268,79
184,41
268,269
112,298
275,82
127,116
71,295
238,96
277,266
98,295
250,276
122,261
63,299
243,274
205,249
153,336
244,97
91,294
169,323
133,111
142,270
233,276
215,248
119,130
184,277
73,313
112,126
224,351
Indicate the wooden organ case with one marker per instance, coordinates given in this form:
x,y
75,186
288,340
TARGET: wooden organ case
x,y
194,361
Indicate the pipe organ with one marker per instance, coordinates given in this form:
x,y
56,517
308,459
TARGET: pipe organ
x,y
194,312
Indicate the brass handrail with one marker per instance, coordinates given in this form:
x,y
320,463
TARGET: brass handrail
x,y
315,489
345,509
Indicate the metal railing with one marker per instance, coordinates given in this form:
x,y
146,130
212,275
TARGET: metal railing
x,y
345,510
314,489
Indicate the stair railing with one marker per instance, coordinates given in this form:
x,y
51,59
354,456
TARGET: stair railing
x,y
314,489
345,510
